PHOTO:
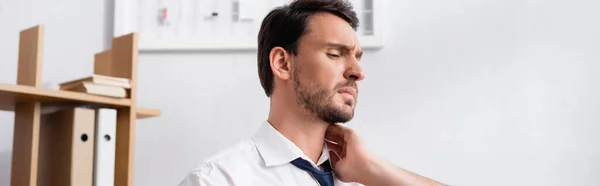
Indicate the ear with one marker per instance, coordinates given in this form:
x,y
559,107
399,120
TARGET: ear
x,y
280,63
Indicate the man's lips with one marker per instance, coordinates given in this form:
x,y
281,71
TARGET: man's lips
x,y
348,90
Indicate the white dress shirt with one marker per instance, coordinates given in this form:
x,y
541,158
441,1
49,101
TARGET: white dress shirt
x,y
262,160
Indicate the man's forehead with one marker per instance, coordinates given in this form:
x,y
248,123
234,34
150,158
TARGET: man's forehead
x,y
326,28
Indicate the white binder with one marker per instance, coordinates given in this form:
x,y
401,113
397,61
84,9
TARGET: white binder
x,y
104,154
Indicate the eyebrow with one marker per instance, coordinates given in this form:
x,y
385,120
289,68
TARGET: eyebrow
x,y
346,48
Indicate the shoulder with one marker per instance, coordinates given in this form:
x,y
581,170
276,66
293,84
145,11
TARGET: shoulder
x,y
222,167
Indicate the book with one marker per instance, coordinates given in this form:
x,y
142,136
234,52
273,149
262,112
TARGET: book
x,y
104,154
98,79
66,149
99,89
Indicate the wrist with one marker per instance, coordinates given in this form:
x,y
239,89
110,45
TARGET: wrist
x,y
374,171
381,172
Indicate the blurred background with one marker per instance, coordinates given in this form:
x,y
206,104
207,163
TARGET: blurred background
x,y
468,92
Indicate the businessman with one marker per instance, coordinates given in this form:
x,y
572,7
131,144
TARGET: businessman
x,y
308,64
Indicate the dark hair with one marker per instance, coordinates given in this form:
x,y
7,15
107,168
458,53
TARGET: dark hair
x,y
284,25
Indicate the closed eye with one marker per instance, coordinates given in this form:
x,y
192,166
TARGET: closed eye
x,y
333,55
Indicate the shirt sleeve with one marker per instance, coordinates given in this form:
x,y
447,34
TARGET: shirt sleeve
x,y
207,175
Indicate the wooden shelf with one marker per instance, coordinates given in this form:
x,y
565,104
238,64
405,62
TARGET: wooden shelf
x,y
29,101
10,94
142,113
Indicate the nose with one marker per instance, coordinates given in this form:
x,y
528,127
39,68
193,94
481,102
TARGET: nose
x,y
354,71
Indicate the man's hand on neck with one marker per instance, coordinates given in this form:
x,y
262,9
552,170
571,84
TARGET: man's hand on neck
x,y
352,162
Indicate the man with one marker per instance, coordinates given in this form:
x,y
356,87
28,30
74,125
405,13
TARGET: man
x,y
308,63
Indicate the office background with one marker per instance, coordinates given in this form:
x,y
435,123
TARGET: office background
x,y
468,92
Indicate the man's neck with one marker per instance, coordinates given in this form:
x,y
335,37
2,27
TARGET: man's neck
x,y
300,127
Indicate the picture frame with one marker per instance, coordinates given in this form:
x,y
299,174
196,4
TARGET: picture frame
x,y
129,14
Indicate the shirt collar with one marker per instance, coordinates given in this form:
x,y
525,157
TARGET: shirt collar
x,y
276,149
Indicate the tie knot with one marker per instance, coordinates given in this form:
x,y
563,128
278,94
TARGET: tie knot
x,y
325,178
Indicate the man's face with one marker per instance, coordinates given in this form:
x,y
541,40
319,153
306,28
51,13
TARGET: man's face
x,y
325,71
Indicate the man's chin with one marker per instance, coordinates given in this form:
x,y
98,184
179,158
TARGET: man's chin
x,y
346,116
341,116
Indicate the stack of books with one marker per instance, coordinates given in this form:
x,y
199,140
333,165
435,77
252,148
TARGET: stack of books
x,y
99,85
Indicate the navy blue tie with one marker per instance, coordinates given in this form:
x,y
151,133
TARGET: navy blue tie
x,y
325,178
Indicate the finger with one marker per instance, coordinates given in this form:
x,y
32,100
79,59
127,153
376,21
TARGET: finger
x,y
339,130
335,138
335,130
335,148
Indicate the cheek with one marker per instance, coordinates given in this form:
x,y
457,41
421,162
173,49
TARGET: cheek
x,y
321,72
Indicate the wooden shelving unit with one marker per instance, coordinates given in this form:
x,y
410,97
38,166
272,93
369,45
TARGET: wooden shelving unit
x,y
28,100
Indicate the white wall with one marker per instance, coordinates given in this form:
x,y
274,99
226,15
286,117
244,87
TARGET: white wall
x,y
470,92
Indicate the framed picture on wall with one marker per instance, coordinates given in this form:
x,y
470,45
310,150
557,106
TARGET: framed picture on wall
x,y
167,25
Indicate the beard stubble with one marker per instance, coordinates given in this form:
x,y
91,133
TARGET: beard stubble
x,y
317,99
